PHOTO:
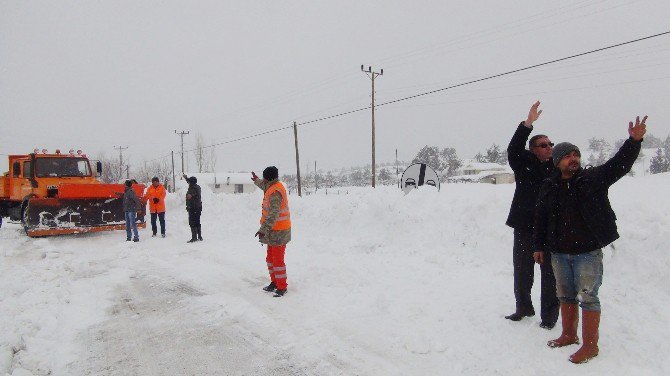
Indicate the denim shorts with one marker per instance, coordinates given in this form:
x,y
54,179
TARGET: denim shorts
x,y
578,278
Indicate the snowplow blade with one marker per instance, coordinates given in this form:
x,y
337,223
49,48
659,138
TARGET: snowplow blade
x,y
54,216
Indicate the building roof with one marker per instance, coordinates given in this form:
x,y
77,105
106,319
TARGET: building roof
x,y
222,177
478,176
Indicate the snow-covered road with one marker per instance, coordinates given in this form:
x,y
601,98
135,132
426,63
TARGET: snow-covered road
x,y
379,284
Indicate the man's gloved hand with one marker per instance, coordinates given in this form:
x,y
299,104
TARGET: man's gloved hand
x,y
260,235
156,200
253,176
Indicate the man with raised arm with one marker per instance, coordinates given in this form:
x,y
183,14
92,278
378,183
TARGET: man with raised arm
x,y
573,222
531,166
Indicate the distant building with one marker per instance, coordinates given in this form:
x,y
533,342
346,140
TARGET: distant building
x,y
226,182
478,172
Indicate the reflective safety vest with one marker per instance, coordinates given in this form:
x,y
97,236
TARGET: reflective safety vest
x,y
284,220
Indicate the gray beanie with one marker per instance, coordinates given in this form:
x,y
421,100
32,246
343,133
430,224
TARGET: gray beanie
x,y
563,149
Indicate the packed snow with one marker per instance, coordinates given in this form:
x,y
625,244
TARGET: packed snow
x,y
380,283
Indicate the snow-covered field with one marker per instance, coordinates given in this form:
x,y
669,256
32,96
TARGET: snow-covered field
x,y
379,284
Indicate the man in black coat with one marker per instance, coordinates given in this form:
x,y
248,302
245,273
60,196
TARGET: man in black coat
x,y
194,208
574,221
530,168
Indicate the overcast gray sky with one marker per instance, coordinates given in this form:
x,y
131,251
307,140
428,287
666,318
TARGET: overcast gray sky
x,y
98,74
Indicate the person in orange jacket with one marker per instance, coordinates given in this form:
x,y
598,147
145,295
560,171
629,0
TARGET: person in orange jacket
x,y
155,194
275,230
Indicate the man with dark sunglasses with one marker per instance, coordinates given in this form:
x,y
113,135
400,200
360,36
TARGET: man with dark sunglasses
x,y
530,168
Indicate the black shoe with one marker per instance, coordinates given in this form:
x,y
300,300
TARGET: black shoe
x,y
153,235
279,293
270,288
192,241
547,325
136,240
517,316
162,235
128,239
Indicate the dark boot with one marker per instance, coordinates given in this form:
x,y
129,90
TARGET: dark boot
x,y
569,320
589,349
279,293
270,288
194,235
521,313
199,230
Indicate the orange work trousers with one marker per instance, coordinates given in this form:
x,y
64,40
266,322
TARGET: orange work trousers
x,y
276,266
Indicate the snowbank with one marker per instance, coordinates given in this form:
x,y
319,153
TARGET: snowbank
x,y
379,283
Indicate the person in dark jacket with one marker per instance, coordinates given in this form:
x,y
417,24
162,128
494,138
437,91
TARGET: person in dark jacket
x,y
131,205
574,221
530,168
194,208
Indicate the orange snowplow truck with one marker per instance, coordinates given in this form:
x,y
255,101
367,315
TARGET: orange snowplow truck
x,y
53,194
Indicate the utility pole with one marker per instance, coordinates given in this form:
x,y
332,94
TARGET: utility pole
x,y
316,184
121,149
182,133
297,157
173,178
372,74
127,172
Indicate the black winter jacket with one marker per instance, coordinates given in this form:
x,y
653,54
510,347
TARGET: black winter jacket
x,y
193,204
131,203
591,186
529,173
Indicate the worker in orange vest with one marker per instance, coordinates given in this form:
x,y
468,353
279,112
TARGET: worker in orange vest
x,y
275,228
155,194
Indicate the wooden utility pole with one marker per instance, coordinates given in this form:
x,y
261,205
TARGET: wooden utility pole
x,y
173,178
372,74
297,157
182,133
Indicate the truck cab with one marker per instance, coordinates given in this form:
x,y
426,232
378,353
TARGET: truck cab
x,y
42,176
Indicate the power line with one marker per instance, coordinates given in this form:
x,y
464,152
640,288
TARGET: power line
x,y
440,90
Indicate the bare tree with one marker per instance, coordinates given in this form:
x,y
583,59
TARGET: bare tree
x,y
200,152
111,171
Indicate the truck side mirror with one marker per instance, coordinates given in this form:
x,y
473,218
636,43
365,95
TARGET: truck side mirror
x,y
98,168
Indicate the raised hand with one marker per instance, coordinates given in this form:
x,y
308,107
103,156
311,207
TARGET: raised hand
x,y
533,114
638,130
253,176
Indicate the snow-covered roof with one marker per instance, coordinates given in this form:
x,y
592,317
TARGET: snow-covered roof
x,y
484,166
478,176
222,177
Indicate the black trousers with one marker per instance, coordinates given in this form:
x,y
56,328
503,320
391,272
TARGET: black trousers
x,y
524,275
194,218
161,219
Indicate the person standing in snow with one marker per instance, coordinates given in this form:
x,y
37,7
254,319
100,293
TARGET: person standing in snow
x,y
155,194
275,230
574,221
131,205
194,208
530,168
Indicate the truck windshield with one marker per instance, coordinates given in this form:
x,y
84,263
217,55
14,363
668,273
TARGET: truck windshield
x,y
61,167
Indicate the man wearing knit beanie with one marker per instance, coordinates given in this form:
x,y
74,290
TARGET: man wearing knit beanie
x,y
531,166
275,230
563,149
574,222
